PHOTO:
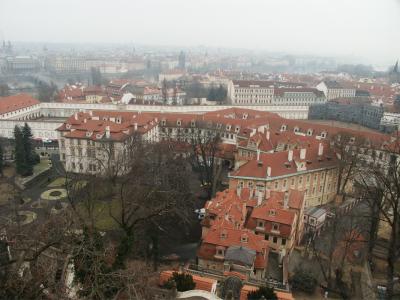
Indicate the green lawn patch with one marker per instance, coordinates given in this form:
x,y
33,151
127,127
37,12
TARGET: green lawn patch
x,y
58,182
103,220
43,165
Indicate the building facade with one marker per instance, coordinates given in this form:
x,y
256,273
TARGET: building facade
x,y
333,90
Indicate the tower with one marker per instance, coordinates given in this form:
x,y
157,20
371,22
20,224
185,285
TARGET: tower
x,y
182,60
394,74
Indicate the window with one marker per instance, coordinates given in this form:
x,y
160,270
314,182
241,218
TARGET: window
x,y
260,224
276,184
300,179
275,240
292,182
220,252
308,178
266,237
284,183
283,242
275,226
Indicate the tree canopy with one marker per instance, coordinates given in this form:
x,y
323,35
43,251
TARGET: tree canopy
x,y
24,155
267,292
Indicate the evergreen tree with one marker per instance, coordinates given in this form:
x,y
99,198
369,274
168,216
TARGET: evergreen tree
x,y
19,151
184,282
267,292
28,148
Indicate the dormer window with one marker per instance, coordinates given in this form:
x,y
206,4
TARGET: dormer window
x,y
275,226
89,133
228,127
244,238
104,118
118,120
323,134
193,123
272,212
309,132
98,136
283,127
237,129
224,234
68,126
219,126
260,223
179,123
296,129
220,252
163,122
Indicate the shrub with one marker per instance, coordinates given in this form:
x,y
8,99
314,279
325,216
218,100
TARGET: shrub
x,y
267,292
303,281
184,282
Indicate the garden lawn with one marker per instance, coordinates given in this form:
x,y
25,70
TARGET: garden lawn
x,y
43,165
103,220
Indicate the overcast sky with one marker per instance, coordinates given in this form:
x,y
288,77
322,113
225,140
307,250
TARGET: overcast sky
x,y
366,29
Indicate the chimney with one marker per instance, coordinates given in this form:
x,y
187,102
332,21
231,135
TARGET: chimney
x,y
261,129
135,126
286,200
107,132
238,190
320,149
258,154
267,193
259,198
251,193
253,132
76,116
269,171
84,120
91,113
290,155
303,152
268,133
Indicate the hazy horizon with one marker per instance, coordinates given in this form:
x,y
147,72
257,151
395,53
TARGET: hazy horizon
x,y
367,30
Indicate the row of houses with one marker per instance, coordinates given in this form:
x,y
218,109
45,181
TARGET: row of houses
x,y
122,91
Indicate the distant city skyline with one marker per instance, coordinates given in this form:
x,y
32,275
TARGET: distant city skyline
x,y
366,30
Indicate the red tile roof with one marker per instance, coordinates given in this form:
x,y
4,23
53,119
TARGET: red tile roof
x,y
279,164
16,102
93,125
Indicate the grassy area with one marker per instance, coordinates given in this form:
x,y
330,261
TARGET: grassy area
x,y
6,191
58,182
102,217
44,164
9,171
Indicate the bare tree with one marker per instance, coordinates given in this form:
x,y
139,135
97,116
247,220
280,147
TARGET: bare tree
x,y
206,144
334,246
382,187
348,152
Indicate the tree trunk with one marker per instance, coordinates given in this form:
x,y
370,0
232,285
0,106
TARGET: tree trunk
x,y
392,255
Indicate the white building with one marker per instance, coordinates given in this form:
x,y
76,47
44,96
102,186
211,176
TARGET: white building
x,y
94,141
334,90
252,92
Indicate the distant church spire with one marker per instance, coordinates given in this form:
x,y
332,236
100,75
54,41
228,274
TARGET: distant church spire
x,y
396,67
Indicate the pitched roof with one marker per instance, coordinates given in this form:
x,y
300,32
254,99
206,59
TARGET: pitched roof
x,y
16,102
279,164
